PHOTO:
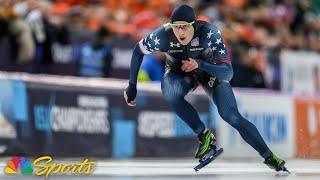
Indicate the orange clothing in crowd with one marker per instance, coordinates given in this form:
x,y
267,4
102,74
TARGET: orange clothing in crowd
x,y
73,2
247,33
203,18
8,13
236,3
145,15
60,8
135,6
145,22
93,24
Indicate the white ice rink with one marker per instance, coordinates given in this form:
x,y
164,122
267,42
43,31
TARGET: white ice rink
x,y
183,169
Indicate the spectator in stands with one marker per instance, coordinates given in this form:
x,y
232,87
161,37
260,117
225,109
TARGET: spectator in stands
x,y
250,75
16,43
62,50
67,37
274,68
7,41
40,27
264,25
25,43
96,57
77,24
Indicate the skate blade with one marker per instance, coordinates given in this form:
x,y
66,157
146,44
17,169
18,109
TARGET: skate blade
x,y
212,155
283,172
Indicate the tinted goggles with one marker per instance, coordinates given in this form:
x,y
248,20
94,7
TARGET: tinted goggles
x,y
182,26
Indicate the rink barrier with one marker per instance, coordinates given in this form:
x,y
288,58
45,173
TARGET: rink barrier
x,y
73,116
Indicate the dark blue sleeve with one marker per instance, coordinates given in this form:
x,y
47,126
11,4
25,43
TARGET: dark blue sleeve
x,y
155,41
222,68
136,60
221,71
214,41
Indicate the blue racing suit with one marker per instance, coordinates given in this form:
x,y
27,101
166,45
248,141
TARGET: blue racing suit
x,y
213,73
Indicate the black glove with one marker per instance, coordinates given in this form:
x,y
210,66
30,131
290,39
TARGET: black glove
x,y
130,94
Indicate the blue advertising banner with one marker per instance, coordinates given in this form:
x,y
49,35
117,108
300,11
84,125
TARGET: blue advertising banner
x,y
82,121
68,121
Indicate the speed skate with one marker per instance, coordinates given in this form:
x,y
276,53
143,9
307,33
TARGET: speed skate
x,y
208,158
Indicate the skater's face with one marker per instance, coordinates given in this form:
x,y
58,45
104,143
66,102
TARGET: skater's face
x,y
183,31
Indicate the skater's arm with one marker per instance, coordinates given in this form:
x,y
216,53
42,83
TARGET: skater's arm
x,y
136,60
131,91
218,61
155,41
221,71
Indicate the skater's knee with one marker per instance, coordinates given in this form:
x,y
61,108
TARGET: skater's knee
x,y
232,117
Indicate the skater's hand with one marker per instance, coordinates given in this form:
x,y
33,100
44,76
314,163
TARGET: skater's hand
x,y
189,65
130,94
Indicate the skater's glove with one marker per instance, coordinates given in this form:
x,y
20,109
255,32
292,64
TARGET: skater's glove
x,y
130,94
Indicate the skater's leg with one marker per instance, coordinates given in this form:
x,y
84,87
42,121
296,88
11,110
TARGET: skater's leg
x,y
228,110
174,88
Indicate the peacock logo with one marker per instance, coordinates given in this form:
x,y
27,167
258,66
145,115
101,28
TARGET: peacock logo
x,y
15,163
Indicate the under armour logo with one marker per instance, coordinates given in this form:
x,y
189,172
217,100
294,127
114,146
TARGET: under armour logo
x,y
211,81
172,44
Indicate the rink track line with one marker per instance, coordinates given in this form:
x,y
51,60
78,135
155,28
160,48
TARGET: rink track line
x,y
179,168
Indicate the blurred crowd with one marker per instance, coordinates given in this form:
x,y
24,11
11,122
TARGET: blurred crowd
x,y
78,37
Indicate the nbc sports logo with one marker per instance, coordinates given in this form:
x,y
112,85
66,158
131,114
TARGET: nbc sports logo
x,y
17,163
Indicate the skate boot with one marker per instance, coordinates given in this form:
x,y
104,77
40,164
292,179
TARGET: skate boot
x,y
274,162
207,150
207,142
